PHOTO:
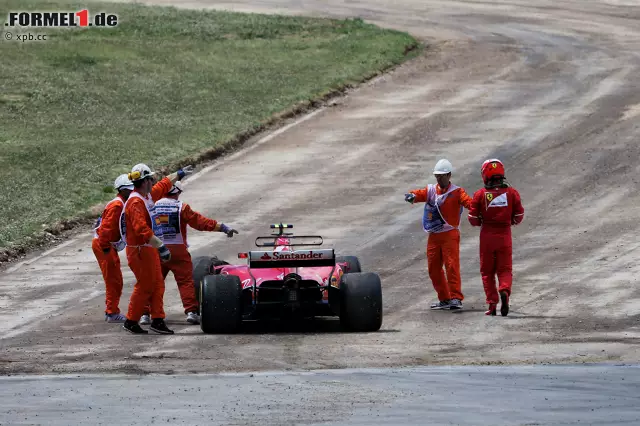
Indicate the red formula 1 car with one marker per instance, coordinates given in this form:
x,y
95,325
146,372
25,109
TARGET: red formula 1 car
x,y
281,282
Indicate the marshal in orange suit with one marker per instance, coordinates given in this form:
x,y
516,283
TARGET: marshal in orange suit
x,y
106,244
172,218
145,249
441,220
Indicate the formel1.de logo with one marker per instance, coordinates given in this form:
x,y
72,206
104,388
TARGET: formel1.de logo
x,y
81,18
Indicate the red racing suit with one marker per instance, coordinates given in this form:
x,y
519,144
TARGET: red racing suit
x,y
496,210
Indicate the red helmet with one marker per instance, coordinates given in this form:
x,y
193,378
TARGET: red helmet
x,y
282,244
282,241
492,168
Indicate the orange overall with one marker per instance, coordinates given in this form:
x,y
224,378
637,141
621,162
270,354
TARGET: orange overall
x,y
174,216
441,221
106,236
143,259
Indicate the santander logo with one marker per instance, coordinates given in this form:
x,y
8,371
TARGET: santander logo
x,y
276,256
296,256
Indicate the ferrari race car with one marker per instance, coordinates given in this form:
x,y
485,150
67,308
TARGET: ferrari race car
x,y
283,282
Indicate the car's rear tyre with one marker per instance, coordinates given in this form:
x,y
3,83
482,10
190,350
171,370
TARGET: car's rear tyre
x,y
361,301
202,266
352,261
221,304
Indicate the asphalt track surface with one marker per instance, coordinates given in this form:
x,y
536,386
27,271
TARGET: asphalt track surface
x,y
510,396
550,87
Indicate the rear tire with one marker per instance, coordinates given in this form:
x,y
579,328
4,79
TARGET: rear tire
x,y
361,301
352,261
221,304
202,266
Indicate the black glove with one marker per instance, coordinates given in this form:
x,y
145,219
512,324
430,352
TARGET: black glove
x,y
165,254
229,231
409,198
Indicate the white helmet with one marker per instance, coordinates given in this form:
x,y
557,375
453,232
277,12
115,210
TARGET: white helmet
x,y
123,182
176,188
442,167
140,171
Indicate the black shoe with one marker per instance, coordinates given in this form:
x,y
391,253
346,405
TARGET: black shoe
x,y
444,304
504,308
134,327
455,305
159,326
492,309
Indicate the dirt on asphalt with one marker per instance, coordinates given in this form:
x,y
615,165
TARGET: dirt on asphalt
x,y
551,88
520,395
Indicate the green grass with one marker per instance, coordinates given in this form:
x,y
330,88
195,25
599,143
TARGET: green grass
x,y
86,105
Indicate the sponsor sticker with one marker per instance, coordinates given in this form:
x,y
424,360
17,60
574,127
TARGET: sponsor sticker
x,y
297,255
499,201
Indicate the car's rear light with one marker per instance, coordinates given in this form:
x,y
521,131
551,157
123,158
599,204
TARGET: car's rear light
x,y
243,255
293,295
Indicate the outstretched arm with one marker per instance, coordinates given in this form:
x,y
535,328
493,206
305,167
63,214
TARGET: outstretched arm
x,y
196,220
416,196
161,188
178,175
203,223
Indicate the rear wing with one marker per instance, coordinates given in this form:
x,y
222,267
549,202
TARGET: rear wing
x,y
294,241
291,259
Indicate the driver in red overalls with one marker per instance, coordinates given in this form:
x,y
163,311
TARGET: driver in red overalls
x,y
495,208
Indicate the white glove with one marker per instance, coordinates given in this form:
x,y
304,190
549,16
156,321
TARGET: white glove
x,y
156,242
165,254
